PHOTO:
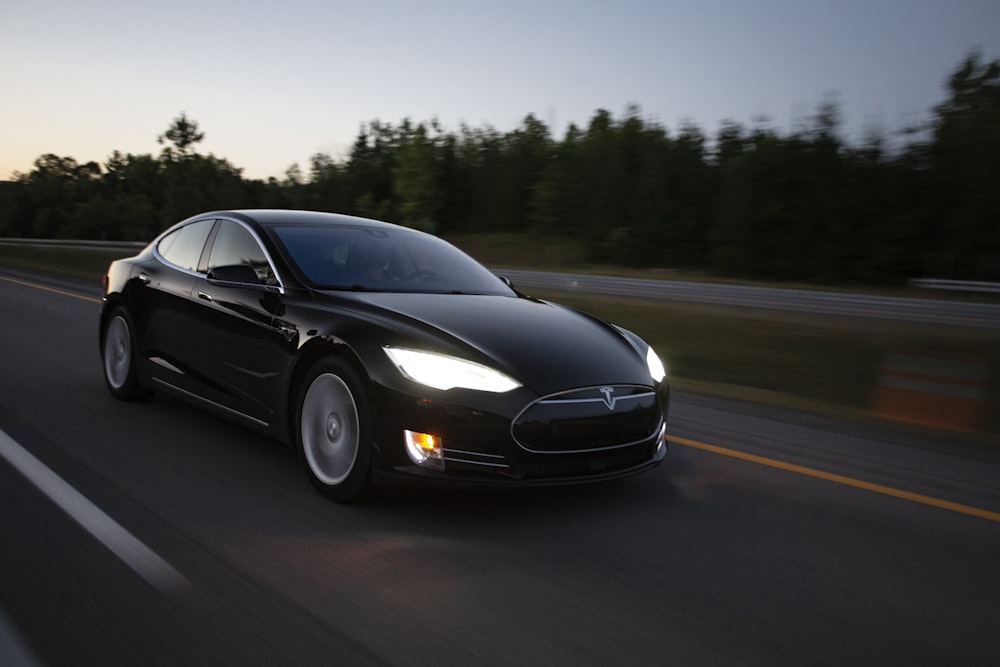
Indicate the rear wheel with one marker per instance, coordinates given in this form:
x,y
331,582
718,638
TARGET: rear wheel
x,y
118,357
333,431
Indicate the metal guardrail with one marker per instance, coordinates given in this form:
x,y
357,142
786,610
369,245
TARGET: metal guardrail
x,y
955,285
77,244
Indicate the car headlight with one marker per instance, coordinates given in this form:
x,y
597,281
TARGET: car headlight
x,y
443,372
656,368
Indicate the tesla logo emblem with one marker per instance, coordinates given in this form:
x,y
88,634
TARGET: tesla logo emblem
x,y
609,397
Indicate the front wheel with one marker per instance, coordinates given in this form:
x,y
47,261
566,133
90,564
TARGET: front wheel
x,y
333,431
118,358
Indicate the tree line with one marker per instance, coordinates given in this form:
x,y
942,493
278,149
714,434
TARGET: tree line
x,y
750,201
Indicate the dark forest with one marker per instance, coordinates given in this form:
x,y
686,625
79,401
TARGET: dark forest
x,y
749,201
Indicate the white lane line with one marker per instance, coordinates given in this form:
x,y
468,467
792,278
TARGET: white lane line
x,y
123,544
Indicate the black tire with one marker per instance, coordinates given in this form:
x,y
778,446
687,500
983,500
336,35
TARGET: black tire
x,y
118,358
333,430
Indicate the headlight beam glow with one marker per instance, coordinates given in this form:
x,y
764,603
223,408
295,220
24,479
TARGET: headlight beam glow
x,y
444,372
656,368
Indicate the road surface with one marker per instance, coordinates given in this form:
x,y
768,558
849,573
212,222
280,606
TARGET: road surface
x,y
153,533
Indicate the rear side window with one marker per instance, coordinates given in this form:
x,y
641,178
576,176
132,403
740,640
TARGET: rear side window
x,y
183,247
234,244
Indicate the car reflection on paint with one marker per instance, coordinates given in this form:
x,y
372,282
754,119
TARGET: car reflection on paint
x,y
383,355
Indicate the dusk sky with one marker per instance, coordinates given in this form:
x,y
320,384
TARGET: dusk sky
x,y
272,83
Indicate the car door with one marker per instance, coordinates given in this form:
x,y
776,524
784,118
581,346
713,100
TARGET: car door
x,y
162,307
237,298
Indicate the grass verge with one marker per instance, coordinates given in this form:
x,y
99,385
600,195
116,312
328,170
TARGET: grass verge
x,y
79,264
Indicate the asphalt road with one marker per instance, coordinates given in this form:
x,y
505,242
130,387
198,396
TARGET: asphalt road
x,y
766,537
904,309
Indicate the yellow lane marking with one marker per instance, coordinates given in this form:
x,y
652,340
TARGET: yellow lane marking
x,y
841,479
50,289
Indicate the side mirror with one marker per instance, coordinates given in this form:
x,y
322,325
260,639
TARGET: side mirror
x,y
508,283
234,273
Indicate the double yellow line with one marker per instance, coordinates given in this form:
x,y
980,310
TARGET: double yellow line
x,y
840,479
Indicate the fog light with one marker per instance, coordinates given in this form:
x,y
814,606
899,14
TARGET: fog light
x,y
424,449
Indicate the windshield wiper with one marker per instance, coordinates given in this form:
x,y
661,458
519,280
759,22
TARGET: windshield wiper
x,y
356,287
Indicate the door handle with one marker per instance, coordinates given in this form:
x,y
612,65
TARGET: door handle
x,y
144,278
205,296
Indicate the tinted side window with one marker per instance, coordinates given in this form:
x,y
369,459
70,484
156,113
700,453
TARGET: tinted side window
x,y
385,259
183,247
234,244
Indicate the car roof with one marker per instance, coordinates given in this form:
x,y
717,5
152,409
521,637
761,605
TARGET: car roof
x,y
288,217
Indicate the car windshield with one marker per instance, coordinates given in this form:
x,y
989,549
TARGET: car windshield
x,y
384,259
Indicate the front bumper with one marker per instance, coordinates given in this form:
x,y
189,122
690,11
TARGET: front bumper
x,y
502,442
415,476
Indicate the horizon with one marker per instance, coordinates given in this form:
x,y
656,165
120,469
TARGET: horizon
x,y
272,86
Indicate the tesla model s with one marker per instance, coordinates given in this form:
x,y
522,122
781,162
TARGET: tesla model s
x,y
383,355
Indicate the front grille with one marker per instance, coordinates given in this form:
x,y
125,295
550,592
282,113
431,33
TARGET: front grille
x,y
589,419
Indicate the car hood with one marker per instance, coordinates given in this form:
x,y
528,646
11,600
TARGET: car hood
x,y
544,346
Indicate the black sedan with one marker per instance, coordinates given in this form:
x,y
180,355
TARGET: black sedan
x,y
382,354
